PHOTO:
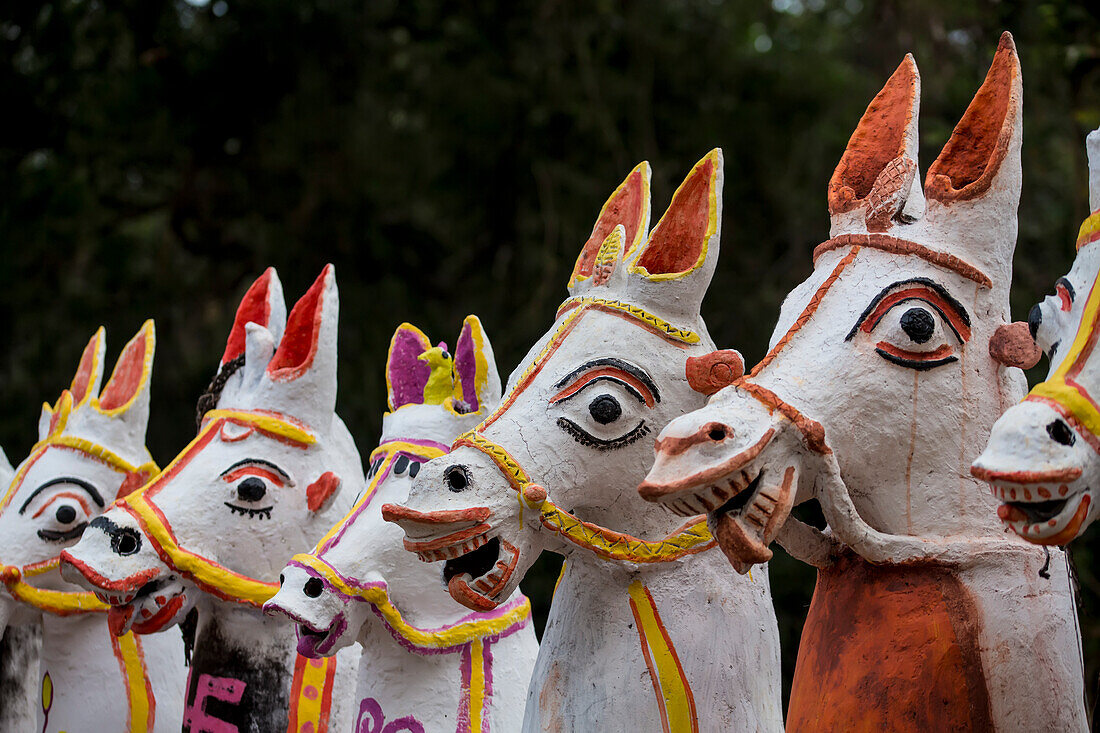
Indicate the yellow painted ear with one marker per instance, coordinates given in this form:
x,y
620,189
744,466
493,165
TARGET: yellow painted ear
x,y
130,378
89,373
628,206
677,246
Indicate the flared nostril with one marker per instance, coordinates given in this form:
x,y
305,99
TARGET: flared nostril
x,y
313,588
456,478
125,542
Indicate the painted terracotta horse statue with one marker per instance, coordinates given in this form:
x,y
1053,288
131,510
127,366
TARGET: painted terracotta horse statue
x,y
874,397
427,663
1043,457
629,643
271,469
90,450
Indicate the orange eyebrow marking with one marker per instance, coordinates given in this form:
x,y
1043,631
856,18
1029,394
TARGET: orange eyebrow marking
x,y
253,471
940,353
68,495
605,371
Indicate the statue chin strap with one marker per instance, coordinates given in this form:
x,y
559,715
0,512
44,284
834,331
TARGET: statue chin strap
x,y
692,538
64,602
207,574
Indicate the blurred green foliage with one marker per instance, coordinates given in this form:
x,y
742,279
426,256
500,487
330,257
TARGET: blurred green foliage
x,y
450,158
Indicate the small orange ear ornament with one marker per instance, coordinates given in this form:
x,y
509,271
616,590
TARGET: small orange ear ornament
x,y
320,490
711,372
1013,346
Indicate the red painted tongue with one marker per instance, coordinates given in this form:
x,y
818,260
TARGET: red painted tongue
x,y
118,617
739,544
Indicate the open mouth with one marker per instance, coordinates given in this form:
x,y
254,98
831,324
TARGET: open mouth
x,y
314,643
1043,515
477,578
152,608
745,524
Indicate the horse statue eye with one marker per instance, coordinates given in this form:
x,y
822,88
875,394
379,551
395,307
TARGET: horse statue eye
x,y
605,409
251,489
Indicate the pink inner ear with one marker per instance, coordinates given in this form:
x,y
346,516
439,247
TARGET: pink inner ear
x,y
83,379
407,374
625,208
678,239
255,307
126,378
465,365
303,328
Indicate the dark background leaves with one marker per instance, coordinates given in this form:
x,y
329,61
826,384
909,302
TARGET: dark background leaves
x,y
450,157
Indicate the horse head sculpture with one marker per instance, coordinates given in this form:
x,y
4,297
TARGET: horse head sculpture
x,y
90,451
272,467
1043,456
359,574
878,386
555,465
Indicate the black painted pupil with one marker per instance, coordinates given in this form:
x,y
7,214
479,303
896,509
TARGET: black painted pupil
x,y
918,324
1059,432
456,479
446,355
313,587
402,464
65,514
605,409
251,489
414,469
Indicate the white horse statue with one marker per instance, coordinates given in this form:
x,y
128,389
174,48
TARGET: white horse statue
x,y
271,469
647,630
1043,457
427,664
90,450
874,398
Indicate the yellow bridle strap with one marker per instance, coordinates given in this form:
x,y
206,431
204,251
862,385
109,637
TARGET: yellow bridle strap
x,y
685,335
277,425
101,453
389,449
1090,230
1056,387
57,602
442,638
605,543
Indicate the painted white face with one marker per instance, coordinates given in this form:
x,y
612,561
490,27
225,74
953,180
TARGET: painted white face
x,y
579,413
1055,320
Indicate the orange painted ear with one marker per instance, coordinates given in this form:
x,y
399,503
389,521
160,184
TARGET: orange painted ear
x,y
132,371
973,155
678,244
887,131
296,351
628,206
89,373
262,304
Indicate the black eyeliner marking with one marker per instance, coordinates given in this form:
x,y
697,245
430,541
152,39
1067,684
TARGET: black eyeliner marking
x,y
51,535
607,378
92,491
1068,286
580,435
264,513
257,462
920,366
935,286
626,366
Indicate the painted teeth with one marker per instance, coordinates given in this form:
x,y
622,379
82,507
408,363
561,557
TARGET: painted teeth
x,y
708,498
453,551
488,582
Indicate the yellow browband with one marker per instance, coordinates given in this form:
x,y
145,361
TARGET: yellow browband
x,y
61,602
604,542
450,636
680,334
209,575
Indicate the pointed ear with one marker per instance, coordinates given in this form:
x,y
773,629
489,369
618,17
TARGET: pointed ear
x,y
979,148
7,471
879,165
628,206
406,373
310,332
679,244
1092,147
53,418
89,373
477,383
128,387
262,304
